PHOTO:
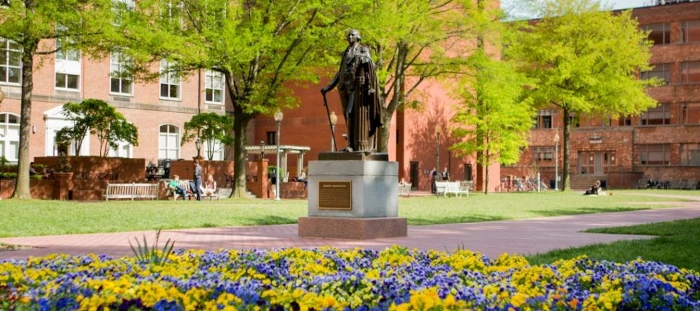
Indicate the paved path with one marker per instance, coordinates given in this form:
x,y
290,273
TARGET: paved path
x,y
491,238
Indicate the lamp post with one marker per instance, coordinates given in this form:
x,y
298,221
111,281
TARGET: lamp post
x,y
198,145
556,161
437,162
278,119
262,150
334,120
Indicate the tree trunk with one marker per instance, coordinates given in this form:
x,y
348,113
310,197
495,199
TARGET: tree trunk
x,y
22,186
487,158
384,134
240,124
565,166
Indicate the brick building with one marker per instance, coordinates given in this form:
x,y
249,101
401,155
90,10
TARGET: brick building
x,y
661,144
159,110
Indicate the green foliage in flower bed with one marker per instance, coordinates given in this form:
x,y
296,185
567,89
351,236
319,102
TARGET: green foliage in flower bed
x,y
678,244
332,279
37,217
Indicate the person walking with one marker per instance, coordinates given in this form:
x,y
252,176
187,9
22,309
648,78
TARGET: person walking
x,y
197,180
433,179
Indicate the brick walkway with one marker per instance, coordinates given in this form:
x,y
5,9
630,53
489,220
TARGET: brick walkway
x,y
491,238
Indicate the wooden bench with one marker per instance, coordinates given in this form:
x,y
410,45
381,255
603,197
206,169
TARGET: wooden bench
x,y
185,184
131,191
445,188
404,190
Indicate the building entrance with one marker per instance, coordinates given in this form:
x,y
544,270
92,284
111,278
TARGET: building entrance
x,y
595,162
414,175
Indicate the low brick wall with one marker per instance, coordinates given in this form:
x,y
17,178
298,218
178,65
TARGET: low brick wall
x,y
40,189
132,170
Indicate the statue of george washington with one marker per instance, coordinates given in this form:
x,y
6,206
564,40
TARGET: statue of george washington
x,y
357,85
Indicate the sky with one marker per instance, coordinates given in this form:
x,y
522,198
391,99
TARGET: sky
x,y
617,4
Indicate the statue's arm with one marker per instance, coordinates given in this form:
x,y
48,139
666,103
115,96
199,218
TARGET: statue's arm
x,y
336,78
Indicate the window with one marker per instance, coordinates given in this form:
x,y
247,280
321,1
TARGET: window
x,y
690,113
123,150
659,33
544,119
214,87
9,136
169,81
65,53
168,142
624,121
119,7
655,154
661,72
120,81
271,138
542,154
690,72
574,120
690,31
660,115
215,153
67,68
690,154
10,61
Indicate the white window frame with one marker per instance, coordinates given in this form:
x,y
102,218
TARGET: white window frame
x,y
69,67
10,136
122,147
117,60
169,79
167,134
6,49
218,154
210,76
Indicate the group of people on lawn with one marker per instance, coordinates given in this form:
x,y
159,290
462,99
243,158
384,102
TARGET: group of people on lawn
x,y
200,189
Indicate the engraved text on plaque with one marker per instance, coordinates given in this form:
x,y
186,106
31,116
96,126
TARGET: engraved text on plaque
x,y
335,195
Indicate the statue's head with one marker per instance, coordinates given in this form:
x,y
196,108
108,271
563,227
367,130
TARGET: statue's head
x,y
354,36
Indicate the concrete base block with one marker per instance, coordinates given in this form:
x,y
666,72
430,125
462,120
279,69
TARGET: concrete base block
x,y
352,228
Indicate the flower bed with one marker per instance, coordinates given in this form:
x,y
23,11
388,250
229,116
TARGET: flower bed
x,y
333,279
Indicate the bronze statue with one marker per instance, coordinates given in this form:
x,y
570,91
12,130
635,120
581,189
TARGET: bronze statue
x,y
358,89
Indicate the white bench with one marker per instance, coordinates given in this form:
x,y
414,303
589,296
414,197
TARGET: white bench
x,y
131,191
404,190
445,188
185,184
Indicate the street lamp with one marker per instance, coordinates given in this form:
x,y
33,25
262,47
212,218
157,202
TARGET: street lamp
x,y
278,119
262,150
437,162
198,145
334,120
556,161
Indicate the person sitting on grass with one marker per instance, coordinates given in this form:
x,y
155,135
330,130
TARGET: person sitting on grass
x,y
595,189
209,186
174,184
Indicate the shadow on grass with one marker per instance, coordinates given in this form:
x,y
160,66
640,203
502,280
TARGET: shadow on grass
x,y
453,220
587,210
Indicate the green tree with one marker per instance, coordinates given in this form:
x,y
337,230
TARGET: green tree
x,y
494,119
212,128
35,26
416,41
258,47
98,118
584,60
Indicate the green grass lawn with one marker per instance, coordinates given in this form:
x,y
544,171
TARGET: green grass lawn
x,y
678,244
36,217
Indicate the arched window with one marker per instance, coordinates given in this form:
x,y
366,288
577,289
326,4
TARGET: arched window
x,y
9,136
169,142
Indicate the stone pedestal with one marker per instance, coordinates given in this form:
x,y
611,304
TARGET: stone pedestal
x,y
370,189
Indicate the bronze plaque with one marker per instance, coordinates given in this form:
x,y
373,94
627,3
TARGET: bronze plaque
x,y
335,195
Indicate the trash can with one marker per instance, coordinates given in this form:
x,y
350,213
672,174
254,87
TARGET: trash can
x,y
604,184
551,184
